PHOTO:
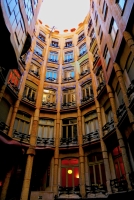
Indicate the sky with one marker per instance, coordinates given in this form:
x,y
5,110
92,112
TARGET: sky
x,y
63,14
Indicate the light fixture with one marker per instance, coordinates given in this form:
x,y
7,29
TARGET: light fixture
x,y
69,171
77,176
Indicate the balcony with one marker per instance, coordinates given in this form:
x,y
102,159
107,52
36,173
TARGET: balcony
x,y
48,105
13,87
85,72
51,79
68,79
22,137
29,99
87,99
101,86
37,53
130,91
108,127
68,105
4,128
45,141
68,141
63,192
35,73
93,136
83,53
68,60
52,60
121,111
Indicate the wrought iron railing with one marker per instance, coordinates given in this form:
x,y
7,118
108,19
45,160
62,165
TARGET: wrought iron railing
x,y
22,137
91,136
69,190
109,126
68,105
45,141
48,105
101,86
4,128
68,141
121,111
119,184
87,99
68,79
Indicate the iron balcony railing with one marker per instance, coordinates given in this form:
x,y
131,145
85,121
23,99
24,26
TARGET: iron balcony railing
x,y
87,99
4,128
68,141
45,141
91,136
121,111
68,105
48,105
22,137
109,126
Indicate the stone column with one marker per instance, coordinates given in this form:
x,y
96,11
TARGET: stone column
x,y
5,185
17,103
129,40
81,155
124,92
98,109
119,136
2,91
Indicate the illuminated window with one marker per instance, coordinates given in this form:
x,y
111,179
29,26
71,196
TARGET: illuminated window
x,y
49,96
69,172
69,96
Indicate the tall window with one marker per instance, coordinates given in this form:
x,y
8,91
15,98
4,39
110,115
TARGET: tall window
x,y
68,74
81,36
29,10
118,162
69,172
46,128
91,123
14,78
121,3
84,67
16,21
68,57
106,55
49,96
96,169
109,115
42,36
87,91
53,56
69,128
38,50
51,75
29,93
113,30
69,96
105,10
82,50
22,122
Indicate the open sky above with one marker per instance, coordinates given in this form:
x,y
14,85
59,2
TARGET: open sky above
x,y
63,14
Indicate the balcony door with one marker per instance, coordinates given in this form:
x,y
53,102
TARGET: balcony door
x,y
69,172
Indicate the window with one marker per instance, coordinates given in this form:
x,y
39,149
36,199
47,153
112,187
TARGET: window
x,y
68,43
90,25
34,69
38,50
84,67
68,96
14,78
29,10
96,169
82,50
53,57
106,55
22,122
49,96
121,3
105,10
118,162
81,36
69,172
35,3
68,57
113,30
100,33
29,93
91,123
16,21
109,115
46,128
87,91
69,128
42,36
51,75
54,43
68,74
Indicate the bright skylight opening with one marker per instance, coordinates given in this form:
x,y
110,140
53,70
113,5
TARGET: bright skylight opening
x,y
63,14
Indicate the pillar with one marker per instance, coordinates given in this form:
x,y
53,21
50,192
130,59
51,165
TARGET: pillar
x,y
81,156
5,185
124,92
119,136
129,40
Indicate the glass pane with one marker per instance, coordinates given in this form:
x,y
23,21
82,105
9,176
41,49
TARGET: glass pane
x,y
51,133
20,128
63,177
98,181
76,176
91,174
40,131
16,123
26,128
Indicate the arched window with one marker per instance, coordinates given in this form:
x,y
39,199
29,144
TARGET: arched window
x,y
69,172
